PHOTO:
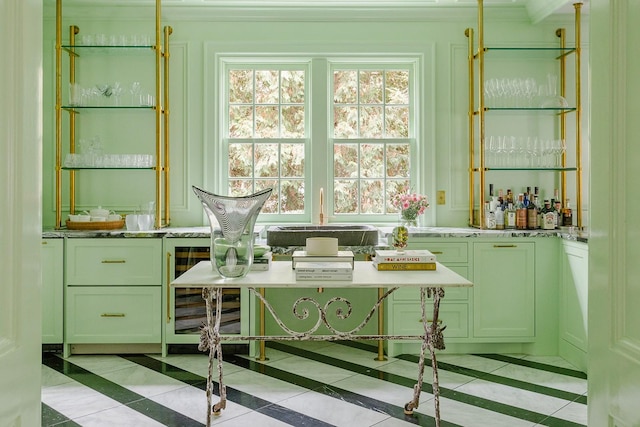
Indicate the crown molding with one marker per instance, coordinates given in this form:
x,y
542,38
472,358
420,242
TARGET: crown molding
x,y
324,13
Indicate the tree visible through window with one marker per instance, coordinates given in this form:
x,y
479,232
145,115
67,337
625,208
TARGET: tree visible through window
x,y
266,133
371,139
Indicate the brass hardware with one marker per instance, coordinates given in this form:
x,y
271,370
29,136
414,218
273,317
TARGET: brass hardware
x,y
262,356
168,296
431,321
113,261
505,246
161,168
477,219
112,315
437,252
441,199
44,242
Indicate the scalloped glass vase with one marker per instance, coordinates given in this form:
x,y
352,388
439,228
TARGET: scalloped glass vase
x,y
232,248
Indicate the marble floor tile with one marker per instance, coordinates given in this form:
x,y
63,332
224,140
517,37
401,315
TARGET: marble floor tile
x,y
121,416
543,378
74,400
143,381
518,398
312,384
333,411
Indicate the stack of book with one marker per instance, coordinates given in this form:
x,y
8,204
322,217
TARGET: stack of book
x,y
412,259
323,270
303,256
262,263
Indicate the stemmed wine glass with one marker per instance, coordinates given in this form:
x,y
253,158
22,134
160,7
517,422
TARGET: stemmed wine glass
x,y
135,93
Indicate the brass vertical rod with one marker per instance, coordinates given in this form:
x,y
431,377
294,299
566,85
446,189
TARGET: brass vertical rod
x,y
165,110
158,114
469,33
168,284
561,33
481,111
380,357
58,113
578,7
73,30
263,355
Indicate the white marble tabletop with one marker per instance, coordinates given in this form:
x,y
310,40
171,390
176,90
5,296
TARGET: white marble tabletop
x,y
281,275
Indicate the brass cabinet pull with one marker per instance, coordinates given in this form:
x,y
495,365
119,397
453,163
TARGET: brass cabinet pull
x,y
44,242
168,271
505,246
436,252
113,261
112,315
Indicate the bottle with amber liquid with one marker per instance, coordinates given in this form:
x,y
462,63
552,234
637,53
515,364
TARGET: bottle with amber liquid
x,y
567,214
521,213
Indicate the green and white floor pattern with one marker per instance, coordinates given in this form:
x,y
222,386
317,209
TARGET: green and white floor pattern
x,y
311,384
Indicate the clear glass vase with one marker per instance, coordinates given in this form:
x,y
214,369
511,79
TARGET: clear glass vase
x,y
232,251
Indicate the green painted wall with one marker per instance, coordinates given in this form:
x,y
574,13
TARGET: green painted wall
x,y
198,35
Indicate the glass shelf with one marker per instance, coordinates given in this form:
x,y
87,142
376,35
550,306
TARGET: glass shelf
x,y
521,110
77,50
107,107
109,168
531,52
559,169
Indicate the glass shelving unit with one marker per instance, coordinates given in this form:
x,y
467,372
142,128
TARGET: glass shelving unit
x,y
157,51
479,109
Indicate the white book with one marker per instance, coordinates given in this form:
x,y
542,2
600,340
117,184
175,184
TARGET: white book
x,y
334,267
302,256
409,255
260,267
324,276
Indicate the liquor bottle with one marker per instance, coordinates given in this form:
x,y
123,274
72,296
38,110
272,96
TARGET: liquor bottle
x,y
549,216
510,217
532,216
521,213
509,197
557,206
489,216
567,214
499,218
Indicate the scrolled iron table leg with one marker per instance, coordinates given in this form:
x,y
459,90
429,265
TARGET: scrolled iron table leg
x,y
210,339
432,339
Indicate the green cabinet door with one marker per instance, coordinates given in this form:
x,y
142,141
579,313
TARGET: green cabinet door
x,y
52,291
504,290
573,303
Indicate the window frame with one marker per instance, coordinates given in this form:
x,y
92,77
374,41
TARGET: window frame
x,y
318,176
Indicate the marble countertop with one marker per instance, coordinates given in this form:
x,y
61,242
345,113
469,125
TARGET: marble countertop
x,y
452,232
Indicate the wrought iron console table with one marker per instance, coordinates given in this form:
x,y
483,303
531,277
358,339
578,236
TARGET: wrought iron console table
x,y
431,284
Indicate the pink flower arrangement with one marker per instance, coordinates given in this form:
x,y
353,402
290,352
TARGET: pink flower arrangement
x,y
410,205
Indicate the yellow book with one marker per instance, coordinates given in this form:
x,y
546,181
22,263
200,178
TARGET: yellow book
x,y
399,266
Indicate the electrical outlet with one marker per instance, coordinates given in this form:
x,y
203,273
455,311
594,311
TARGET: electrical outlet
x,y
441,199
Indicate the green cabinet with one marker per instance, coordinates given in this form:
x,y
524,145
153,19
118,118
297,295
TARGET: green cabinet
x,y
504,280
113,293
404,314
574,270
52,290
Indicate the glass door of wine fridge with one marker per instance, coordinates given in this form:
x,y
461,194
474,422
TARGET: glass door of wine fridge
x,y
184,310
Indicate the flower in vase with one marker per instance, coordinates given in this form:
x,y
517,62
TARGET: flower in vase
x,y
410,206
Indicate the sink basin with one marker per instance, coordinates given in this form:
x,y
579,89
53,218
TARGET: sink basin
x,y
296,235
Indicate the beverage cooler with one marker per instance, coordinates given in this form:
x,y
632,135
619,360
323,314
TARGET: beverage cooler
x,y
185,310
